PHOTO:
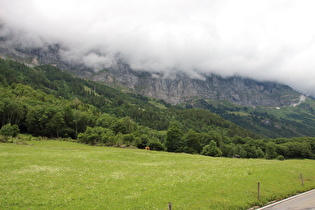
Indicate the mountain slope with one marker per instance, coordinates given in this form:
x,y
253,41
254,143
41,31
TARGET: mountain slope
x,y
174,89
212,93
145,111
270,122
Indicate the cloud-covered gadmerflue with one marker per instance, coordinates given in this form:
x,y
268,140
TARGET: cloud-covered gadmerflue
x,y
261,39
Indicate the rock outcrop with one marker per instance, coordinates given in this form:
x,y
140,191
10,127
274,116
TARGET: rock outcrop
x,y
181,88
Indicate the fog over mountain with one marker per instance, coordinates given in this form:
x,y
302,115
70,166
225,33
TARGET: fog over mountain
x,y
260,39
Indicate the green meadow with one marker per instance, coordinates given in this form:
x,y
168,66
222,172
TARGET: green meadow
x,y
67,175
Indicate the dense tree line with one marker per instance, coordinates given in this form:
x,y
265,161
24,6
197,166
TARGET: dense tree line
x,y
205,143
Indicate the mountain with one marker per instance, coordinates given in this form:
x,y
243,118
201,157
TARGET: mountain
x,y
266,108
174,89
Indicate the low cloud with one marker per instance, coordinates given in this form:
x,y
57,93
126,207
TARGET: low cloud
x,y
264,39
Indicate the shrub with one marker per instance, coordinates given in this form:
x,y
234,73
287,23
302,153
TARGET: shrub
x,y
10,130
280,157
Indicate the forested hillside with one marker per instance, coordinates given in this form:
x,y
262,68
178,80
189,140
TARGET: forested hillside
x,y
271,122
45,101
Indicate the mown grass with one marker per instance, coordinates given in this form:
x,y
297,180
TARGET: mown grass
x,y
66,175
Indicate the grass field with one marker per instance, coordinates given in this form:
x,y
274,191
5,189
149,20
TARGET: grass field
x,y
66,175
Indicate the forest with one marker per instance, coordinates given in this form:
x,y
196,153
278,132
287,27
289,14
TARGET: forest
x,y
45,101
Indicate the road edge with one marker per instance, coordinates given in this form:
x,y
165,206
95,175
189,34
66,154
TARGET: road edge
x,y
286,199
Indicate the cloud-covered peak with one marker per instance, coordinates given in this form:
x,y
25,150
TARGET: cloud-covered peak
x,y
261,39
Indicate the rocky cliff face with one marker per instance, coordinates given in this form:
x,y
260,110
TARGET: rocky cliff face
x,y
178,89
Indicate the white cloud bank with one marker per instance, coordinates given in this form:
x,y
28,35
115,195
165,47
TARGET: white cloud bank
x,y
261,39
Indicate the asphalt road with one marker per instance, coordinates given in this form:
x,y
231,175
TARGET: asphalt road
x,y
303,201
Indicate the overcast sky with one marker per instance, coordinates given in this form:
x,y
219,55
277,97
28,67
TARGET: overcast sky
x,y
261,39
